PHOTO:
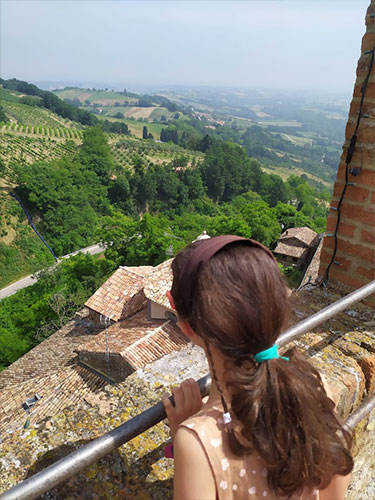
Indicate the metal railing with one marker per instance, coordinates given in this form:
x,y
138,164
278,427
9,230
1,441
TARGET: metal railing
x,y
68,466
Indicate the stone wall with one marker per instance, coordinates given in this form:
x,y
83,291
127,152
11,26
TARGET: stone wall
x,y
355,258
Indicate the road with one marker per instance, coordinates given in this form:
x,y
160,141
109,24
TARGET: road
x,y
31,279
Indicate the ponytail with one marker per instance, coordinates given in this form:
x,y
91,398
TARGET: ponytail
x,y
289,422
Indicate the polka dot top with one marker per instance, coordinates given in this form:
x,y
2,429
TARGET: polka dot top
x,y
236,478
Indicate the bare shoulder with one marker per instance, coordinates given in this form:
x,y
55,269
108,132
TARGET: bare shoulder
x,y
193,477
336,489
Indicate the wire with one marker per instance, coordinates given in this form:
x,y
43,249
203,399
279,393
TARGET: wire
x,y
355,172
32,225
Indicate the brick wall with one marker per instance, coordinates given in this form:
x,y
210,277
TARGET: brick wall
x,y
355,257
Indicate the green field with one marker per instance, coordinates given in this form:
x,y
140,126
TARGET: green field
x,y
280,123
94,96
39,130
33,115
126,150
136,128
295,139
286,172
27,149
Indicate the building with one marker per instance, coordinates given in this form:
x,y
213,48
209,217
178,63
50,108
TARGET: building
x,y
127,324
296,246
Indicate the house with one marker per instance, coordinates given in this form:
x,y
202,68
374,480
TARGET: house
x,y
119,297
296,246
127,323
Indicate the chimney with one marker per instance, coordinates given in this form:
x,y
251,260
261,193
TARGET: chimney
x,y
353,261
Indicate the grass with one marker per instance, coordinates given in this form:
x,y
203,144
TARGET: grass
x,y
295,139
136,128
286,172
280,123
93,97
21,251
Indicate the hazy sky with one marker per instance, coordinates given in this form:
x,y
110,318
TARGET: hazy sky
x,y
304,44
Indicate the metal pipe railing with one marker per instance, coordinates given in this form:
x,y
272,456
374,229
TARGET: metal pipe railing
x,y
54,474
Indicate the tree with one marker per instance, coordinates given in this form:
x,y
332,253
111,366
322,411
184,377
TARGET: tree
x,y
145,133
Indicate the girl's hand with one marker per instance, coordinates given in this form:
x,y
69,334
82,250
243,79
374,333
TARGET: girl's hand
x,y
188,401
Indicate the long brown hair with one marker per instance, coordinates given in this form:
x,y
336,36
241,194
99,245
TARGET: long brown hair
x,y
238,303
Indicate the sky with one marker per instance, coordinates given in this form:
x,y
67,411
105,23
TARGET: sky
x,y
299,44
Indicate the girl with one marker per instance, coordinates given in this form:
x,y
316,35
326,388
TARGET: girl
x,y
268,429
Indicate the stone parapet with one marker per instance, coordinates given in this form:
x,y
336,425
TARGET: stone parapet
x,y
343,350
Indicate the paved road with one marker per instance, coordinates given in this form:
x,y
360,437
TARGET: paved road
x,y
31,279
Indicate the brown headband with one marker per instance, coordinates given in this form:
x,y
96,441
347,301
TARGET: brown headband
x,y
202,254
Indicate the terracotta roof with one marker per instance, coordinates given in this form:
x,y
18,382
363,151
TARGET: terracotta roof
x,y
158,283
303,234
138,340
122,294
58,390
51,369
291,251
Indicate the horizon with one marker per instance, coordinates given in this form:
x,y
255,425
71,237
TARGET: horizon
x,y
149,46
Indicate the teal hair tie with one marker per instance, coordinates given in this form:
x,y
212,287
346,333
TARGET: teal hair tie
x,y
270,353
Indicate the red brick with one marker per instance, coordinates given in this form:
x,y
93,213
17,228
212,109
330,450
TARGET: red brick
x,y
370,91
368,273
373,198
366,176
345,229
368,42
366,134
353,193
357,213
322,270
363,66
325,256
368,237
343,264
346,279
346,248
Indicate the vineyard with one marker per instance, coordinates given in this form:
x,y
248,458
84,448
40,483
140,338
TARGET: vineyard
x,y
25,149
27,115
127,150
58,132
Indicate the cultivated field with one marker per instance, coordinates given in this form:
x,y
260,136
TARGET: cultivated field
x,y
18,148
127,150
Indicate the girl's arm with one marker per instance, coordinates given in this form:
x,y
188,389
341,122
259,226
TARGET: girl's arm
x,y
193,477
187,400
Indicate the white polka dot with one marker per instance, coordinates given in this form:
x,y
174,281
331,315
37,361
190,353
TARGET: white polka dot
x,y
234,487
242,472
191,426
265,493
215,442
224,464
203,433
252,490
264,472
223,485
254,471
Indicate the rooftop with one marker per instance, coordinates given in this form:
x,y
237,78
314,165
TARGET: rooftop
x,y
113,298
158,283
303,234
